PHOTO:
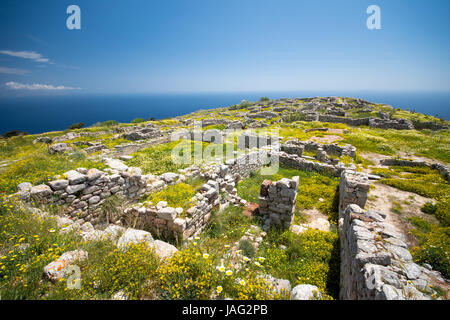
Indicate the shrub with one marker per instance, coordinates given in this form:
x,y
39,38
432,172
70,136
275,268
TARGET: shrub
x,y
247,248
429,207
262,99
77,126
13,133
132,271
192,275
434,249
28,243
138,120
245,104
107,123
311,257
420,223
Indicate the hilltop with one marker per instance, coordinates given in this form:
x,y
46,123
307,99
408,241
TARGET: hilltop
x,y
356,182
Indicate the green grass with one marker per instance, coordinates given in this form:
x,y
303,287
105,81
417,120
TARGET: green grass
x,y
311,257
226,226
434,245
16,147
39,167
423,181
312,187
396,208
434,145
158,159
178,195
105,139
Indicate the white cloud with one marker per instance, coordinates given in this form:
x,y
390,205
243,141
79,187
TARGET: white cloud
x,y
13,71
26,55
36,86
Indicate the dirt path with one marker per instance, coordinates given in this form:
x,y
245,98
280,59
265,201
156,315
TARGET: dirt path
x,y
326,139
384,198
314,220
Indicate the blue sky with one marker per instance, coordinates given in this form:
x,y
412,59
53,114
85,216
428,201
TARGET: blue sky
x,y
143,46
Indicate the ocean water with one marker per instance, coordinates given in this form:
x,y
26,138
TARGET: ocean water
x,y
49,113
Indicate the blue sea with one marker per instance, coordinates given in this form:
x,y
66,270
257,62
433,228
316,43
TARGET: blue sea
x,y
49,113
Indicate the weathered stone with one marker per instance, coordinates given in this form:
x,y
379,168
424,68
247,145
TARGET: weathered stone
x,y
59,184
75,177
305,292
167,213
41,191
93,174
94,200
24,187
58,148
133,236
57,269
163,249
71,189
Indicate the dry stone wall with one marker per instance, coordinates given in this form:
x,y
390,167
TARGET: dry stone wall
x,y
375,261
169,223
312,146
277,202
296,162
442,169
84,191
353,189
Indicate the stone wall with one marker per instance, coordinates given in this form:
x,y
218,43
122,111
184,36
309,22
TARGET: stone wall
x,y
442,169
212,136
296,162
419,125
292,148
125,149
137,133
375,261
252,140
277,202
398,124
83,191
170,223
345,120
331,148
353,189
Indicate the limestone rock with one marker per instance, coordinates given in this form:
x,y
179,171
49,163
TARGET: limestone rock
x,y
57,269
134,236
163,249
305,292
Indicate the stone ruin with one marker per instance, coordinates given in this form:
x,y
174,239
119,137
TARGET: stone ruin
x,y
375,261
251,140
442,169
353,189
277,202
312,146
